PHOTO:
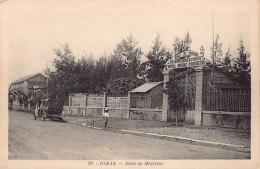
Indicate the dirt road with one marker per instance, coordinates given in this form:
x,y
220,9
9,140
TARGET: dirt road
x,y
36,139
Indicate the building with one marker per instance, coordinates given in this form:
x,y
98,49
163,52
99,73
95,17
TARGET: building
x,y
26,88
148,95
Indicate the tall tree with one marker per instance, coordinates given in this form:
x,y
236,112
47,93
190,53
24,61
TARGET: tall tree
x,y
176,96
124,67
84,75
157,59
226,62
130,54
216,52
182,45
121,85
102,73
242,68
65,59
187,41
62,81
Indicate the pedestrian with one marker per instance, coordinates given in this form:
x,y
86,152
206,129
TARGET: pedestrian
x,y
106,115
106,120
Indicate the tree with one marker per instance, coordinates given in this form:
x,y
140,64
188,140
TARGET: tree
x,y
157,59
121,85
187,41
176,96
226,62
182,45
216,52
124,67
84,73
61,82
129,53
102,73
65,59
242,68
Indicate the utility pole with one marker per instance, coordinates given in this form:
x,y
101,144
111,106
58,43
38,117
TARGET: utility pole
x,y
213,51
47,77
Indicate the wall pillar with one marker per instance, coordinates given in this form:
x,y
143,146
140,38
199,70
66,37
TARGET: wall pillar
x,y
128,104
198,97
165,106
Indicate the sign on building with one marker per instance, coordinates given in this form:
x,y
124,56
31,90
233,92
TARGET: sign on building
x,y
186,59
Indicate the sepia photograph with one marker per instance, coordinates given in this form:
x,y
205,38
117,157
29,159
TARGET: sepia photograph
x,y
137,84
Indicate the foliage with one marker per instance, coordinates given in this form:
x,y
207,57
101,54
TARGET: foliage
x,y
216,52
226,62
124,67
176,95
157,59
122,70
182,45
65,59
87,75
242,68
122,85
129,54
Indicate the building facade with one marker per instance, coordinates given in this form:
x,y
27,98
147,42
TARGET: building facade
x,y
26,89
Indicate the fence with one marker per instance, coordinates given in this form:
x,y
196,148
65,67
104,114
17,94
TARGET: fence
x,y
117,102
119,107
95,101
228,99
93,105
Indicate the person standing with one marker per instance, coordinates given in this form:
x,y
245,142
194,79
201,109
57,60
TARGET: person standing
x,y
106,115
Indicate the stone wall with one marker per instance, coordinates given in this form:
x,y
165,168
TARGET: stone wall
x,y
94,112
241,120
140,114
118,113
227,120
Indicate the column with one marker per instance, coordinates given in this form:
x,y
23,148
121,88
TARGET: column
x,y
198,99
165,106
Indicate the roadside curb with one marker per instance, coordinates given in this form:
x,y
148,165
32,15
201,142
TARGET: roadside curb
x,y
234,147
179,139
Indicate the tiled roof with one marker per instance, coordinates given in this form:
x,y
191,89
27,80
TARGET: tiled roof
x,y
145,87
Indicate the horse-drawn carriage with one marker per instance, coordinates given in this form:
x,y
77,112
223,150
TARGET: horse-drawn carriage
x,y
49,108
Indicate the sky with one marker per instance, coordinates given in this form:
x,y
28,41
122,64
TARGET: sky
x,y
31,30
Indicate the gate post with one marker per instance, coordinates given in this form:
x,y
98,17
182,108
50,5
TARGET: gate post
x,y
165,106
198,97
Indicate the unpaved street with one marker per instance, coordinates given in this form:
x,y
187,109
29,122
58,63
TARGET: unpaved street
x,y
36,139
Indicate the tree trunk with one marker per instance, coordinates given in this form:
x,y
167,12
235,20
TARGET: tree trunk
x,y
176,121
